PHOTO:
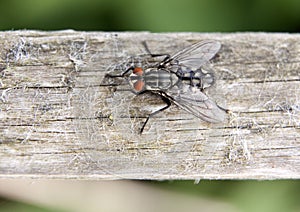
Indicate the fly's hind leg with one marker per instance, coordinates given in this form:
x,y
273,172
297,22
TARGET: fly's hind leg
x,y
167,56
167,101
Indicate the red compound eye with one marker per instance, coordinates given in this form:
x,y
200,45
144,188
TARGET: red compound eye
x,y
139,86
138,71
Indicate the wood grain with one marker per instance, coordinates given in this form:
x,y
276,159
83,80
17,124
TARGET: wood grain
x,y
59,117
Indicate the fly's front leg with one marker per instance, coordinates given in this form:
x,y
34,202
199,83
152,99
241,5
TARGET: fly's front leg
x,y
120,75
167,101
112,82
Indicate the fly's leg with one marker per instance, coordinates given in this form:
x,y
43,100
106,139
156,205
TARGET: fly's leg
x,y
167,101
120,75
112,76
167,56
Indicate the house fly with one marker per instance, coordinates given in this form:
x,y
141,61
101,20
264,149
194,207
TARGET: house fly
x,y
179,79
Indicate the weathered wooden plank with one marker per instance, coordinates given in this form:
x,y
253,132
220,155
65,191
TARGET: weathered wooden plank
x,y
60,119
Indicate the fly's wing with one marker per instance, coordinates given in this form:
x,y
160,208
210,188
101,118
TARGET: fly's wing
x,y
197,103
196,55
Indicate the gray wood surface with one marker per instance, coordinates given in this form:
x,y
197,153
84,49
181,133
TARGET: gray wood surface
x,y
59,117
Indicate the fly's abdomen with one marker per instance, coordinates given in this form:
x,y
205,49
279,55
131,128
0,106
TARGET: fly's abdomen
x,y
197,78
159,79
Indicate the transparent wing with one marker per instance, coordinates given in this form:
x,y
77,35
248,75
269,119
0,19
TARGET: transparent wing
x,y
196,55
192,100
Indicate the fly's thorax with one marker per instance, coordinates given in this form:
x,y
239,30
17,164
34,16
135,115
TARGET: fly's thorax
x,y
159,79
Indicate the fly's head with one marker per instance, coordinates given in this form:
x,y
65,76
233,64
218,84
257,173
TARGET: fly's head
x,y
136,79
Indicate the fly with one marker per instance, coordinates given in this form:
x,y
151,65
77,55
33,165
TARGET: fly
x,y
179,79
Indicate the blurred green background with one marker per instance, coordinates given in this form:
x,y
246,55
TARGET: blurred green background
x,y
169,16
152,15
